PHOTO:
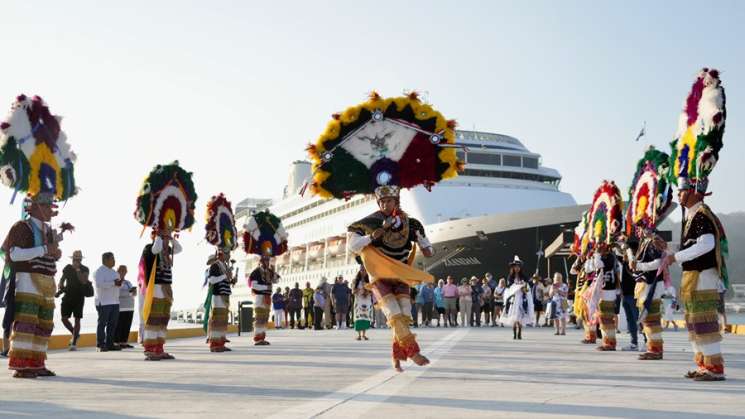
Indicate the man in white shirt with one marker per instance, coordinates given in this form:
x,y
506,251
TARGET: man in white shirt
x,y
107,283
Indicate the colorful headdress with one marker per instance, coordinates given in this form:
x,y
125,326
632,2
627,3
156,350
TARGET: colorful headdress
x,y
695,150
383,141
387,191
581,236
264,235
34,154
606,214
167,199
650,194
220,228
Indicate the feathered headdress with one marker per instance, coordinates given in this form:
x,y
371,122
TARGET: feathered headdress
x,y
650,194
167,199
264,235
606,214
581,236
384,141
34,154
220,228
695,150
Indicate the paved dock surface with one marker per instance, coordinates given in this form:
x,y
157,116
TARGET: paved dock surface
x,y
475,373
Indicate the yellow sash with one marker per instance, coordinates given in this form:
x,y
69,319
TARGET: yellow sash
x,y
148,302
380,266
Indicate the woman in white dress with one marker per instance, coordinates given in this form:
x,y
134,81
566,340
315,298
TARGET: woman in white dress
x,y
558,311
669,302
518,311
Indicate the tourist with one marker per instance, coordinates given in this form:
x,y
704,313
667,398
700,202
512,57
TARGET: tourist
x,y
538,291
127,293
74,286
385,240
450,296
328,318
518,311
558,294
439,300
427,291
628,285
31,247
340,299
308,305
261,280
418,304
363,310
465,300
107,302
670,306
278,305
319,302
294,305
487,301
476,297
499,300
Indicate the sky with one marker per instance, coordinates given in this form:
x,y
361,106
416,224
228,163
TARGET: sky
x,y
236,90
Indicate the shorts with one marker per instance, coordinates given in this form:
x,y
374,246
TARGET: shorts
x,y
538,305
72,308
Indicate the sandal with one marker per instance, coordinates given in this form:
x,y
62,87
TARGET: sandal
x,y
708,376
365,337
24,374
650,356
45,373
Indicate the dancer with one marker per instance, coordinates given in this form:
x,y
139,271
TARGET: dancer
x,y
379,147
264,236
605,223
166,204
221,233
650,200
703,246
518,309
34,158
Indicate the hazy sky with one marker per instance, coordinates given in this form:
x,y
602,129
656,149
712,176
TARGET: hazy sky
x,y
235,90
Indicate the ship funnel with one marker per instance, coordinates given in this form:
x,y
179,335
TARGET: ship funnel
x,y
300,172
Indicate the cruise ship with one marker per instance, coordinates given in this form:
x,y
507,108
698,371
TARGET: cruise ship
x,y
504,203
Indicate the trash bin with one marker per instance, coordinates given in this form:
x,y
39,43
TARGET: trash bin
x,y
245,317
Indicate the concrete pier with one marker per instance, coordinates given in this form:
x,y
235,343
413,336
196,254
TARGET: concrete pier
x,y
475,373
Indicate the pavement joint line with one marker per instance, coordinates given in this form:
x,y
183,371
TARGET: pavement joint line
x,y
325,404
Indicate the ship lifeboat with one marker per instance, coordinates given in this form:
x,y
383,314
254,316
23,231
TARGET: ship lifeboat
x,y
298,255
283,259
336,246
315,251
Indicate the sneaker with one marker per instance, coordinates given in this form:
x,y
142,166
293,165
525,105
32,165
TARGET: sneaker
x,y
630,347
73,347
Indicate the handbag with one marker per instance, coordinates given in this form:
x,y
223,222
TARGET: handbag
x,y
88,290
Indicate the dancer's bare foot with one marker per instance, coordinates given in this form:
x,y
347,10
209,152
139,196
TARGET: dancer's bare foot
x,y
420,359
397,365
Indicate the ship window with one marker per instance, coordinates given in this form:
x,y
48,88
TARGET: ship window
x,y
530,162
482,158
513,161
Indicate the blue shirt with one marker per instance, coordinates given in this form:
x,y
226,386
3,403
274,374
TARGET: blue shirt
x,y
438,298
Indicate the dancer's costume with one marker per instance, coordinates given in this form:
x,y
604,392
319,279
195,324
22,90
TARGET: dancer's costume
x,y
703,246
650,200
605,224
381,146
35,158
221,233
165,203
265,236
581,249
